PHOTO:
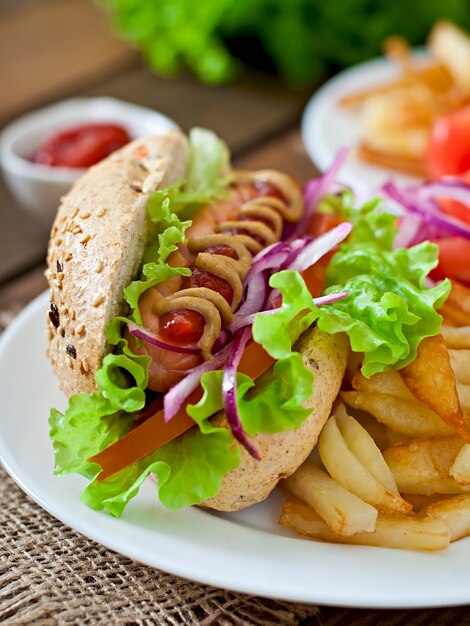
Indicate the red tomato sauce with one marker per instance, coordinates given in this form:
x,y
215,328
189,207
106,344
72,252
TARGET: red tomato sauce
x,y
81,146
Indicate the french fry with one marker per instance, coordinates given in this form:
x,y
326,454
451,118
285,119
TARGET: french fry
x,y
392,531
410,418
419,502
364,449
435,77
455,512
456,309
451,47
394,437
460,468
464,396
414,166
378,431
349,471
342,511
456,337
398,50
431,379
389,383
460,361
422,466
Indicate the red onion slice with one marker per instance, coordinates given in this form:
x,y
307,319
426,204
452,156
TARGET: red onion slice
x,y
255,282
316,189
446,187
148,337
320,246
175,397
229,391
425,206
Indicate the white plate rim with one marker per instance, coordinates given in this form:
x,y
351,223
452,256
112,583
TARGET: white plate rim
x,y
366,74
257,555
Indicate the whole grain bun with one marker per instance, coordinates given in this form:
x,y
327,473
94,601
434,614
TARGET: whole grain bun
x,y
95,251
96,248
282,453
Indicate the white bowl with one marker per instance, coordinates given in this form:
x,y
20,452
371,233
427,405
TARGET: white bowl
x,y
38,188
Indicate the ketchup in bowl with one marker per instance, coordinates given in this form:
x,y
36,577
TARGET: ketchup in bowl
x,y
82,146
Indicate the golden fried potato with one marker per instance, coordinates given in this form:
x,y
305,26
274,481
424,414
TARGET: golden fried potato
x,y
410,418
365,449
389,383
456,309
419,501
449,45
460,468
392,531
349,471
454,511
342,511
422,466
460,361
456,337
431,379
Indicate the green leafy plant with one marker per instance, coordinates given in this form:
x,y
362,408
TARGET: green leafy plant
x,y
303,40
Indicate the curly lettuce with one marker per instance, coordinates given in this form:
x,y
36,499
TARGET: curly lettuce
x,y
389,310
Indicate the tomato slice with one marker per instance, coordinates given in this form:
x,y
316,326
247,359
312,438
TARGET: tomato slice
x,y
449,145
457,209
454,259
154,432
321,223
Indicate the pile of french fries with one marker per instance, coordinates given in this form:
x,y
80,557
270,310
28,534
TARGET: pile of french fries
x,y
397,117
394,456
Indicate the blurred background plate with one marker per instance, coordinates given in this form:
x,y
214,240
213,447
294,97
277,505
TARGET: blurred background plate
x,y
327,127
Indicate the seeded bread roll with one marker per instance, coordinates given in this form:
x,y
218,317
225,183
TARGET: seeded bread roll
x,y
282,453
96,248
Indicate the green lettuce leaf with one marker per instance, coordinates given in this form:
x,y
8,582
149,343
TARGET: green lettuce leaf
x,y
271,407
208,163
389,309
92,422
190,469
278,331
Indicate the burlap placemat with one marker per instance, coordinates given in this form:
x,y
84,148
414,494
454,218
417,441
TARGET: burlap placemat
x,y
50,574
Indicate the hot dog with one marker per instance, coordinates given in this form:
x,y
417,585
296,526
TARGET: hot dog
x,y
189,320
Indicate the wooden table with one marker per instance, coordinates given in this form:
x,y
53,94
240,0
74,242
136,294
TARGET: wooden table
x,y
51,49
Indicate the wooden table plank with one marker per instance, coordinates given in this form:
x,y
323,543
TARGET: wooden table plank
x,y
16,294
243,113
285,152
49,48
23,239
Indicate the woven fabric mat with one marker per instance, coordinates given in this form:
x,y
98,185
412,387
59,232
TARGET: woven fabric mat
x,y
51,575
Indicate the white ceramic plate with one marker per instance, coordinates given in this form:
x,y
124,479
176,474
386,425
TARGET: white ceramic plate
x,y
327,127
246,552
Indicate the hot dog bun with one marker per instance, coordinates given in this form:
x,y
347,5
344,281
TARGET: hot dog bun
x,y
282,453
95,251
96,248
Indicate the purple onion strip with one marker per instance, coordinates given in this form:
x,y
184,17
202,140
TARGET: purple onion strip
x,y
426,208
320,246
229,391
175,397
